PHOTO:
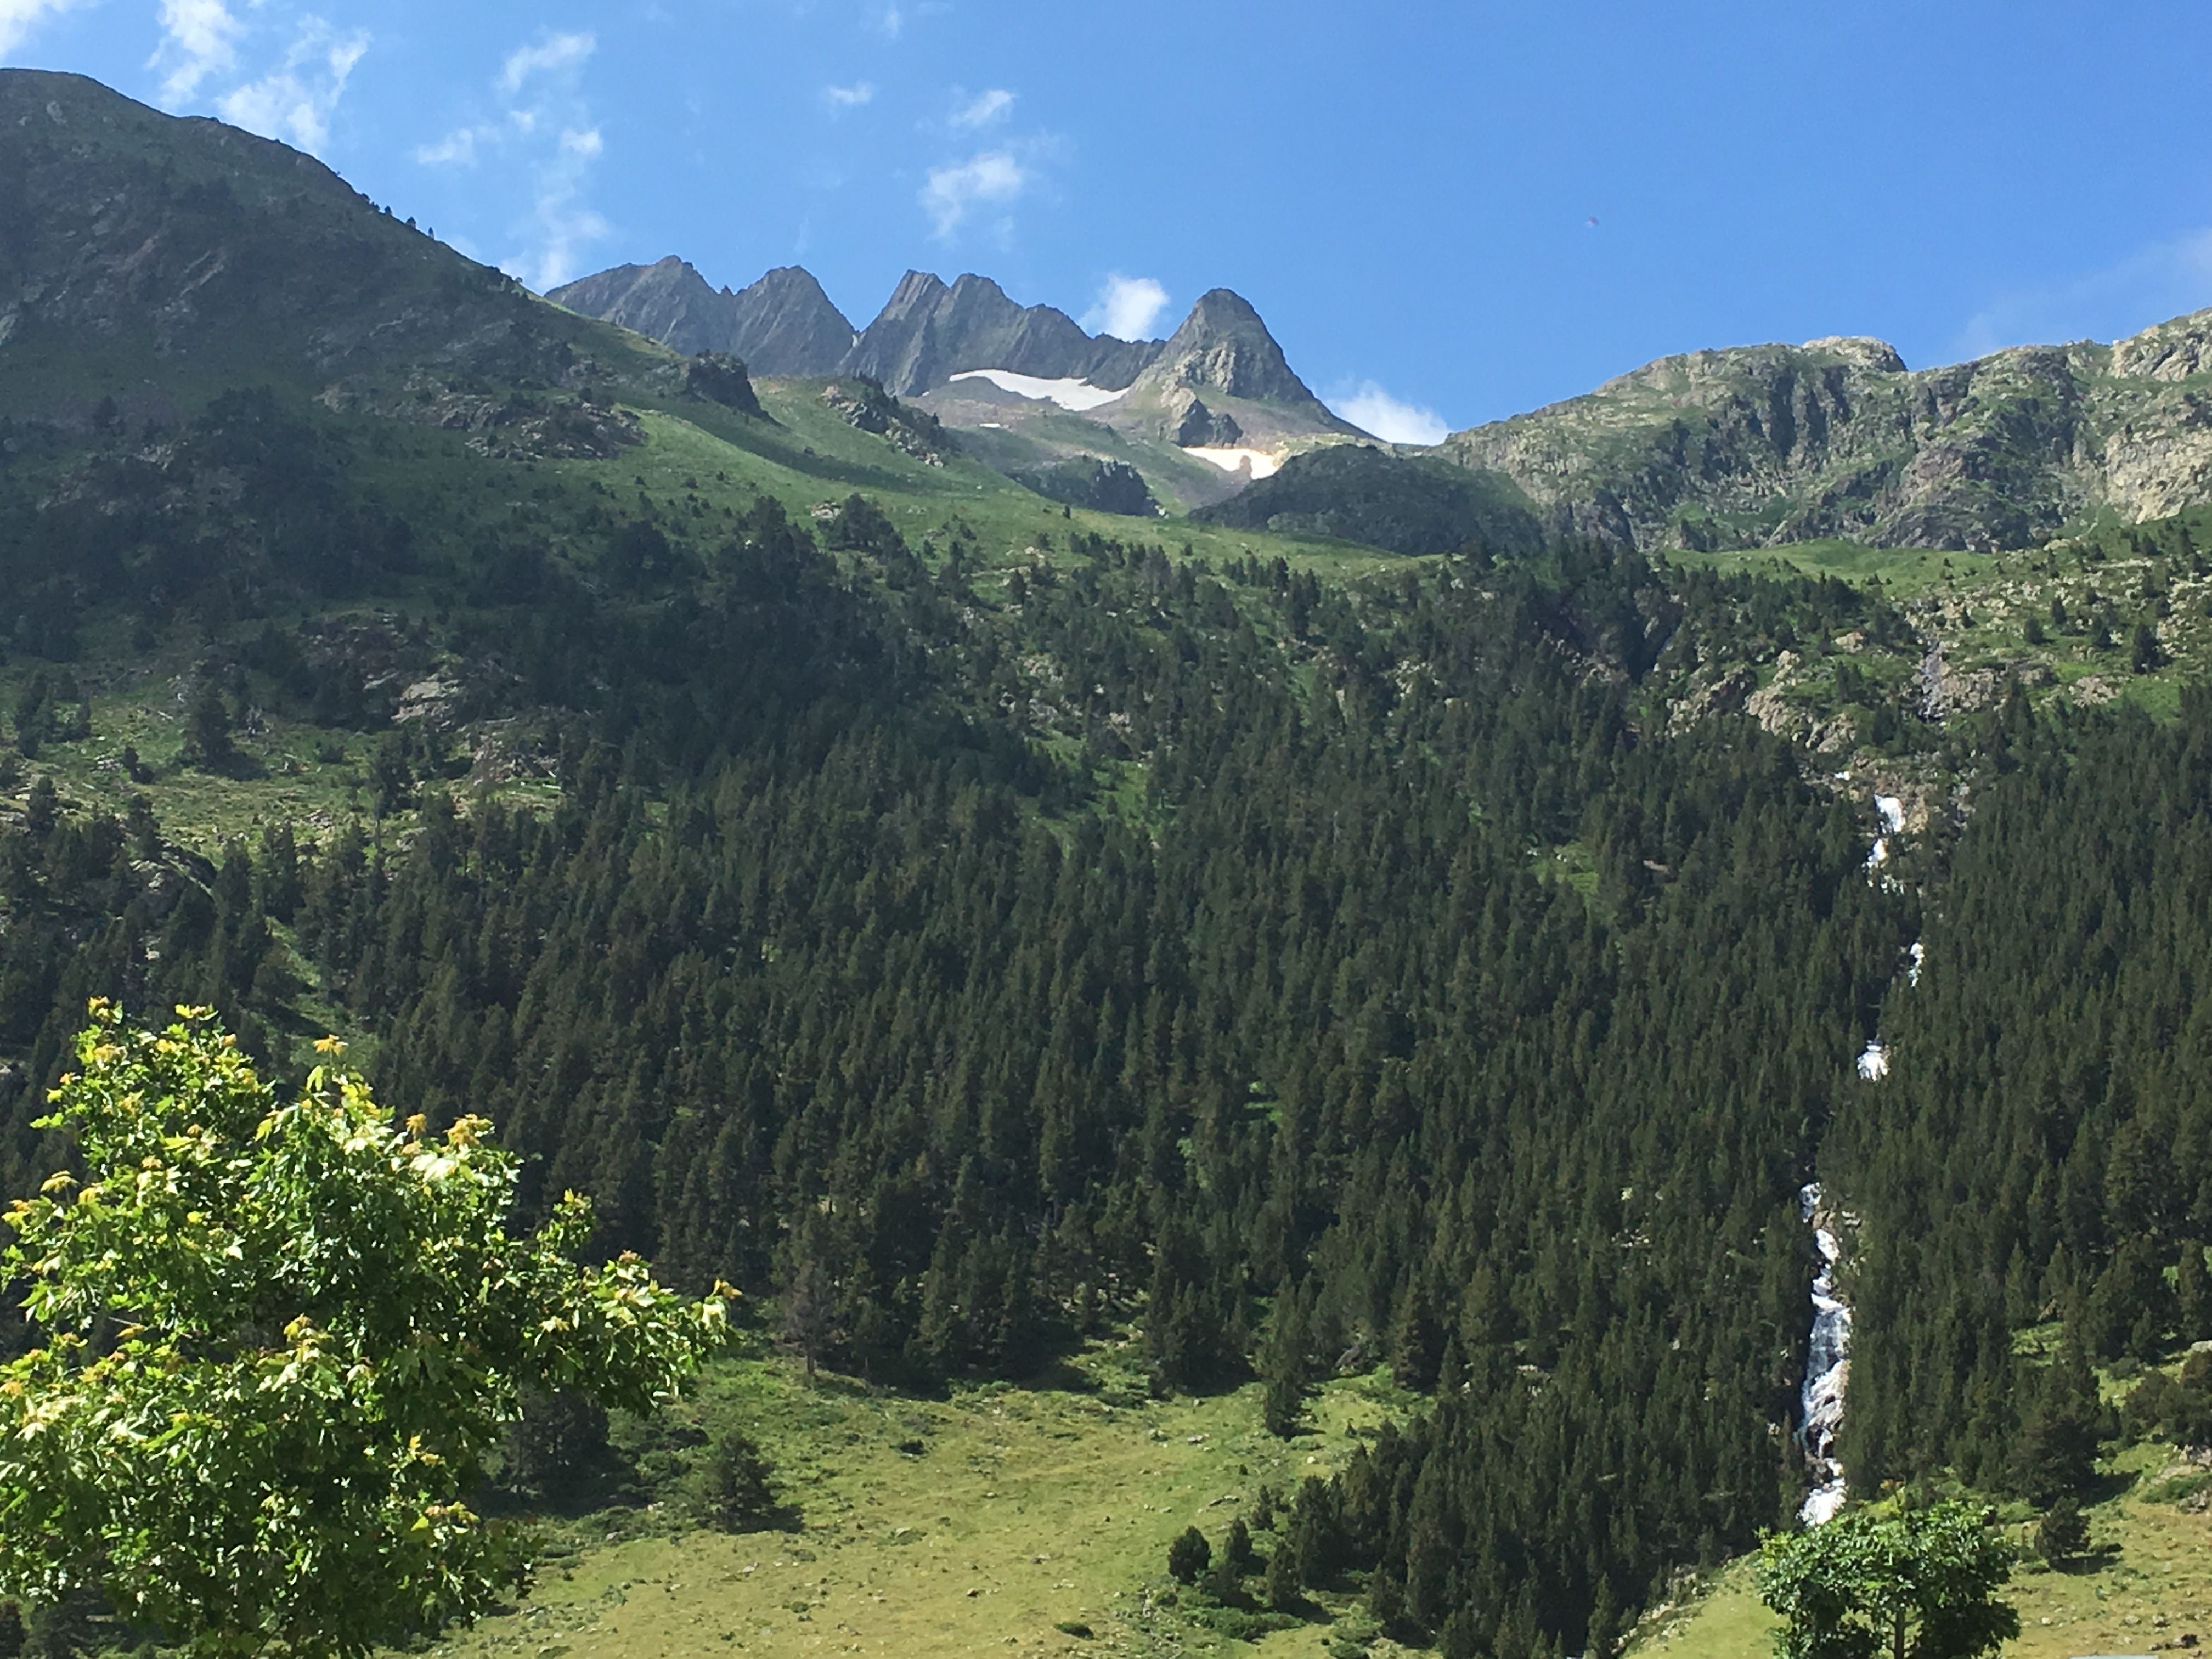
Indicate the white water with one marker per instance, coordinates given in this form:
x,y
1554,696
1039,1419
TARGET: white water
x,y
1262,465
1828,1374
1078,395
1873,1063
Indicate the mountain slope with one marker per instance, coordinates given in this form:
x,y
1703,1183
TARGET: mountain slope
x,y
1768,445
130,239
782,324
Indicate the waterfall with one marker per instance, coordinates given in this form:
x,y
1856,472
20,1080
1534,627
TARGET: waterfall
x,y
1827,1373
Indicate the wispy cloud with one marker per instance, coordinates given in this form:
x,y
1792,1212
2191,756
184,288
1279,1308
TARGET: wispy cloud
x,y
297,99
2161,280
889,20
292,91
1371,409
554,55
852,97
546,132
18,18
982,110
993,178
199,38
1128,307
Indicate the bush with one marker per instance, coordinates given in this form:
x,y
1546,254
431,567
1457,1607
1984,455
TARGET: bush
x,y
2064,1532
1189,1554
734,1489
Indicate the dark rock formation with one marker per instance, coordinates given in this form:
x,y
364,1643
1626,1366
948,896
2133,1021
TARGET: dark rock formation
x,y
720,378
1103,485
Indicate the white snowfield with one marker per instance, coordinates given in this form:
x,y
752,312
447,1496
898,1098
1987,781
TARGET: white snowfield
x,y
1077,395
1262,465
1828,1374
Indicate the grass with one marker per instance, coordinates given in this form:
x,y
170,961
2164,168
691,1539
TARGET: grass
x,y
1901,572
1024,1510
2148,1579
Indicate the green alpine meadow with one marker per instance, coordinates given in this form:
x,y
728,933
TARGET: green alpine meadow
x,y
681,978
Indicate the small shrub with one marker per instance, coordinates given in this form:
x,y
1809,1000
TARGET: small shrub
x,y
1187,1555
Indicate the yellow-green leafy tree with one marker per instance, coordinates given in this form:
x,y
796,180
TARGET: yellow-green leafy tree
x,y
279,1338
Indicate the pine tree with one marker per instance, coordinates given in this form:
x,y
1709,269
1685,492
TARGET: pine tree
x,y
1187,1555
2192,1291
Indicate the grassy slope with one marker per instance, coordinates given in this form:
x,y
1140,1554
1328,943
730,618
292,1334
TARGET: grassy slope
x,y
2150,1580
1027,1509
699,466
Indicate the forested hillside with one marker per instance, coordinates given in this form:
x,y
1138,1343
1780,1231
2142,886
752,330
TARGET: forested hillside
x,y
988,930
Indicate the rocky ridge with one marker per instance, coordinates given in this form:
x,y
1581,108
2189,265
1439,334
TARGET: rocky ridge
x,y
1769,445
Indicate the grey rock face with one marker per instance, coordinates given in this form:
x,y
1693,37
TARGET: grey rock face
x,y
783,325
1765,444
1223,346
930,332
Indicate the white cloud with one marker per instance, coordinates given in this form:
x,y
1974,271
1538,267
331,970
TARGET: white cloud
x,y
1128,307
981,110
553,55
1371,409
297,99
890,22
19,17
456,148
852,97
992,178
2159,280
199,38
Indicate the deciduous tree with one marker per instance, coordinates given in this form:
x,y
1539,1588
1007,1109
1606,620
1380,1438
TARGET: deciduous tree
x,y
279,1339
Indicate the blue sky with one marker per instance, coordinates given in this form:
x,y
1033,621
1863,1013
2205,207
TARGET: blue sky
x,y
1455,211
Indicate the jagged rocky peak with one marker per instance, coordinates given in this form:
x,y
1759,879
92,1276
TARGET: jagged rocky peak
x,y
929,332
1223,346
782,324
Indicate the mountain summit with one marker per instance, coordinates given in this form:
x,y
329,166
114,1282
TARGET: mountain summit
x,y
784,324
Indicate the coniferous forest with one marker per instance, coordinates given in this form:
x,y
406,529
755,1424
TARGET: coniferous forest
x,y
1292,1046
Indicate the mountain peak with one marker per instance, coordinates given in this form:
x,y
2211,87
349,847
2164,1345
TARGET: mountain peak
x,y
784,324
1223,346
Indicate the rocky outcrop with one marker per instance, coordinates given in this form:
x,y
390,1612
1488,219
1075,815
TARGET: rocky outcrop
x,y
1765,444
1199,426
783,325
722,380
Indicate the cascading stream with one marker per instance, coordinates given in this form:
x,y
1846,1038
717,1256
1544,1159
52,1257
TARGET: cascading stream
x,y
1827,1371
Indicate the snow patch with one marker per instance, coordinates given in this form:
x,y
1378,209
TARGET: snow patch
x,y
1078,395
1893,813
1919,960
1261,463
1874,1064
1827,1372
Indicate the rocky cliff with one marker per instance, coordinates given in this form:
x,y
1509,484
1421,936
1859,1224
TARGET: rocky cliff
x,y
1766,445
